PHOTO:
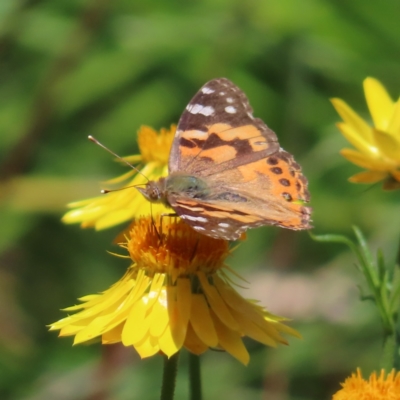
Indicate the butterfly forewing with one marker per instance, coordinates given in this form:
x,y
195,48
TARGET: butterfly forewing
x,y
217,132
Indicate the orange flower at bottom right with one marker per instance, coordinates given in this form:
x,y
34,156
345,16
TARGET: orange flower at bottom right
x,y
376,388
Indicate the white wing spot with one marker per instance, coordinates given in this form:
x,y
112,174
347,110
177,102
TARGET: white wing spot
x,y
190,218
250,115
222,93
229,99
199,109
223,225
207,90
199,228
230,110
194,108
208,110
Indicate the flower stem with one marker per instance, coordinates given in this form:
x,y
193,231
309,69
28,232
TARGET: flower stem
x,y
169,377
195,377
388,354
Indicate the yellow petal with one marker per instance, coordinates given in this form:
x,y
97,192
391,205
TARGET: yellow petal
x,y
217,303
394,124
155,289
114,218
366,162
230,295
357,140
250,329
122,312
240,304
71,329
175,325
167,343
184,298
388,145
230,340
159,315
179,303
111,299
113,335
126,176
92,330
368,177
351,118
81,214
147,347
193,343
201,321
117,206
137,325
287,329
141,285
379,103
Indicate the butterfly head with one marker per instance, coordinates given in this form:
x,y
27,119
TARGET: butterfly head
x,y
154,191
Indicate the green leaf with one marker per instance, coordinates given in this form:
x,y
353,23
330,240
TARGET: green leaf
x,y
384,304
395,295
382,269
332,238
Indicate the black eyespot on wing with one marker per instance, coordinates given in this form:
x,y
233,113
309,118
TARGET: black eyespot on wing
x,y
272,160
276,170
284,182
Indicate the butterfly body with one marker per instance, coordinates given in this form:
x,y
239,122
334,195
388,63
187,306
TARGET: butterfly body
x,y
227,172
178,184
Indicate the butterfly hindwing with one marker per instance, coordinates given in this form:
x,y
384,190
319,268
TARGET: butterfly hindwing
x,y
244,198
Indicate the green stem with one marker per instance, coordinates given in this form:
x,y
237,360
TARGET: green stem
x,y
388,354
195,377
396,362
169,377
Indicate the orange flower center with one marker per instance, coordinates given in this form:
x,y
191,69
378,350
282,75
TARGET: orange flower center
x,y
169,245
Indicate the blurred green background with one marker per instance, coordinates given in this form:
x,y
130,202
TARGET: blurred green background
x,y
70,68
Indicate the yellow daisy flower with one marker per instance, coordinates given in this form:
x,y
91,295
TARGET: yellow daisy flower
x,y
377,388
176,294
378,146
119,206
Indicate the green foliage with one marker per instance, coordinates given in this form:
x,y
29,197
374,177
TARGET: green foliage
x,y
70,68
383,282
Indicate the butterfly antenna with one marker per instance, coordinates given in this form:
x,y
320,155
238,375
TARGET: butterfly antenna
x,y
92,139
105,191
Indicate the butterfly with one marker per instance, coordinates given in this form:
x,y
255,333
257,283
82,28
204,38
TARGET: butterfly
x,y
227,171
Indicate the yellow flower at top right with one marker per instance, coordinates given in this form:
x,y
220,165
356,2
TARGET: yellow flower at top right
x,y
377,146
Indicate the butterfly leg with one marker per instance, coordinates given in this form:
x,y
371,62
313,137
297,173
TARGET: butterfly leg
x,y
170,215
153,222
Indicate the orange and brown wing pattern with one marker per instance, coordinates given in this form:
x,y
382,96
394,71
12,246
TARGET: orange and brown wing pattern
x,y
217,131
227,170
